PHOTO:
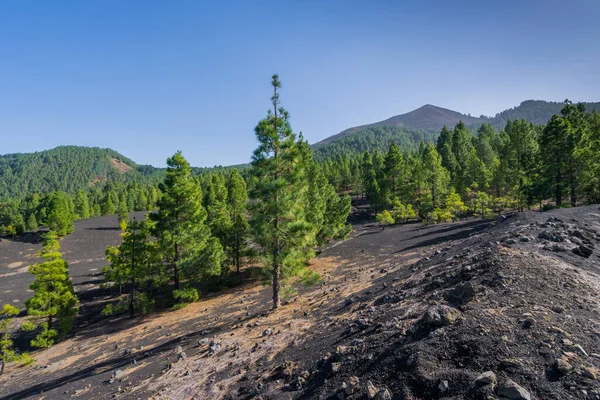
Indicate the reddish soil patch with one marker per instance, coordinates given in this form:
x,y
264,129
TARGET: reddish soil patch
x,y
120,165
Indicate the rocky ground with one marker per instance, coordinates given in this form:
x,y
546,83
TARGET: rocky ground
x,y
505,309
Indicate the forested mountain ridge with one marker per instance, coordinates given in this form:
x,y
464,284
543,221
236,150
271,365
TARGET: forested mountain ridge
x,y
65,168
73,168
426,118
430,118
535,111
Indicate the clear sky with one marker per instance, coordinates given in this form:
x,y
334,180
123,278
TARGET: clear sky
x,y
147,78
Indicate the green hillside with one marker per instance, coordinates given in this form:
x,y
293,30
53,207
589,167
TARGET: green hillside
x,y
374,138
425,123
66,168
536,111
71,168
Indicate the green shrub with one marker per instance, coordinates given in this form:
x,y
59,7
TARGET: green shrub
x,y
45,338
309,278
187,295
179,306
25,359
28,326
288,292
115,309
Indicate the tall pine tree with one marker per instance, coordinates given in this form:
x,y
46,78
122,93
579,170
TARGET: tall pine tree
x,y
278,191
185,241
237,202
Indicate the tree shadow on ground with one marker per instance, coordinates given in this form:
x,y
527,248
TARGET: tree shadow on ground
x,y
32,237
454,226
463,233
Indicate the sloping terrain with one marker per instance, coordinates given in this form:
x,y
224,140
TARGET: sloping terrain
x,y
430,118
66,168
83,250
536,111
427,117
470,310
71,168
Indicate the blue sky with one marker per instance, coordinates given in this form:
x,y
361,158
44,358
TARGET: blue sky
x,y
147,78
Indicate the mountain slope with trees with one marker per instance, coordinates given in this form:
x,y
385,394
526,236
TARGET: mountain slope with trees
x,y
65,168
426,118
425,123
73,168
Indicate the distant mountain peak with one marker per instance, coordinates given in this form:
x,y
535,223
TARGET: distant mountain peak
x,y
432,118
427,117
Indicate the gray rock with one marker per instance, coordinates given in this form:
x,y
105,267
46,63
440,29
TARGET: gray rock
x,y
351,386
181,356
383,394
576,241
213,347
513,391
558,309
267,332
334,368
462,294
443,386
524,239
581,350
512,363
583,251
510,241
440,315
300,381
553,237
556,248
588,373
371,390
561,366
578,234
528,322
485,379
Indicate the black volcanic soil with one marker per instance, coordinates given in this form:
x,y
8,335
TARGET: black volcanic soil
x,y
83,250
517,298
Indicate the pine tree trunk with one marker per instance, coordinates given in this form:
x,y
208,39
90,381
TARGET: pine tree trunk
x,y
2,367
573,193
175,269
237,252
276,266
49,322
276,285
520,194
132,300
558,191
